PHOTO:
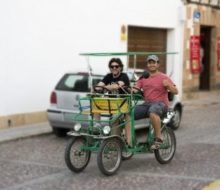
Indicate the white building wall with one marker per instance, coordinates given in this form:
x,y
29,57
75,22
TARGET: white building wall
x,y
41,39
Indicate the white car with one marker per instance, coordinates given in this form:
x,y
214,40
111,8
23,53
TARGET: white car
x,y
64,101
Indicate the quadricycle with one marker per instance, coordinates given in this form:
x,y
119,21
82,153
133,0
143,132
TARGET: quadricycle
x,y
92,135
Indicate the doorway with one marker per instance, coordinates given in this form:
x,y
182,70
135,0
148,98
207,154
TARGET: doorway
x,y
205,44
141,39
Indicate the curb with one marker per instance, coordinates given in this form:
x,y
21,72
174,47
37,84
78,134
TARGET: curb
x,y
24,131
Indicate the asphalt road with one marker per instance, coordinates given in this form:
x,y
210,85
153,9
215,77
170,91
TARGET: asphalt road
x,y
37,163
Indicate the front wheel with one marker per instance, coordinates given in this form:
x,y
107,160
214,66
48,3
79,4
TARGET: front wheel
x,y
109,156
167,150
75,157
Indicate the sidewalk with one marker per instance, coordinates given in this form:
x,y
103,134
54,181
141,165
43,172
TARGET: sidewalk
x,y
24,131
204,98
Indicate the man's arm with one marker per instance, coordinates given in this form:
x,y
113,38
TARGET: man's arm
x,y
97,86
115,86
137,87
123,81
170,87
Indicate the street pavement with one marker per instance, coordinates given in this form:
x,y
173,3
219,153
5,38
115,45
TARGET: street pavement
x,y
38,163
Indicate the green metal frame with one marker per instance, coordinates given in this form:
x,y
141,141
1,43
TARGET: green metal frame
x,y
86,109
127,54
94,137
97,54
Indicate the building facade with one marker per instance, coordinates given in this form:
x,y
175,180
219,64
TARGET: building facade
x,y
41,40
203,25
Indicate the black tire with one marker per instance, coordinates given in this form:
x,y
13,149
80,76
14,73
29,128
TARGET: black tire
x,y
166,153
59,132
109,156
75,158
175,121
126,155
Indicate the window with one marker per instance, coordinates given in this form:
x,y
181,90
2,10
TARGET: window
x,y
77,82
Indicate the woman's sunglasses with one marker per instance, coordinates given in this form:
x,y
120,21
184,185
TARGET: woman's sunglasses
x,y
114,66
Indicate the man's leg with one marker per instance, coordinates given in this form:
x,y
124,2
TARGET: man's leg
x,y
96,120
156,122
128,129
96,116
115,129
156,110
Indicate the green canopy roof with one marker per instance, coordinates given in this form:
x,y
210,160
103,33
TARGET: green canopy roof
x,y
125,53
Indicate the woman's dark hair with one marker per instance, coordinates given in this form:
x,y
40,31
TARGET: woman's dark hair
x,y
116,60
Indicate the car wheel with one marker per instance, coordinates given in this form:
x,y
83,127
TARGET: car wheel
x,y
175,121
59,132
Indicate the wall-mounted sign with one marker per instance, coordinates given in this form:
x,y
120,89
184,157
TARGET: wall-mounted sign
x,y
196,16
195,64
123,33
218,53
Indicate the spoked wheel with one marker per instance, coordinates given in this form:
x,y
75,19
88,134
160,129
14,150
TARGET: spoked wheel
x,y
167,150
75,157
109,156
126,155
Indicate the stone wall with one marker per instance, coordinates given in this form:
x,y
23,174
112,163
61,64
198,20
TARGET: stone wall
x,y
209,17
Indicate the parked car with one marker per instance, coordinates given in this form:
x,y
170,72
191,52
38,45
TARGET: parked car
x,y
64,101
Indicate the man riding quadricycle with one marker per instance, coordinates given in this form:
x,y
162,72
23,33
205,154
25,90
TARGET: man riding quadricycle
x,y
106,120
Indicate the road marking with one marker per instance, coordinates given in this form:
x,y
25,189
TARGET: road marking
x,y
32,163
213,186
206,179
40,180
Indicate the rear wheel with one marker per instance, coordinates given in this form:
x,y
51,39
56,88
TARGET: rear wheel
x,y
167,150
109,156
127,155
75,157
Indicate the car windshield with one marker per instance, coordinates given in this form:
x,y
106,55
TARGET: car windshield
x,y
77,82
